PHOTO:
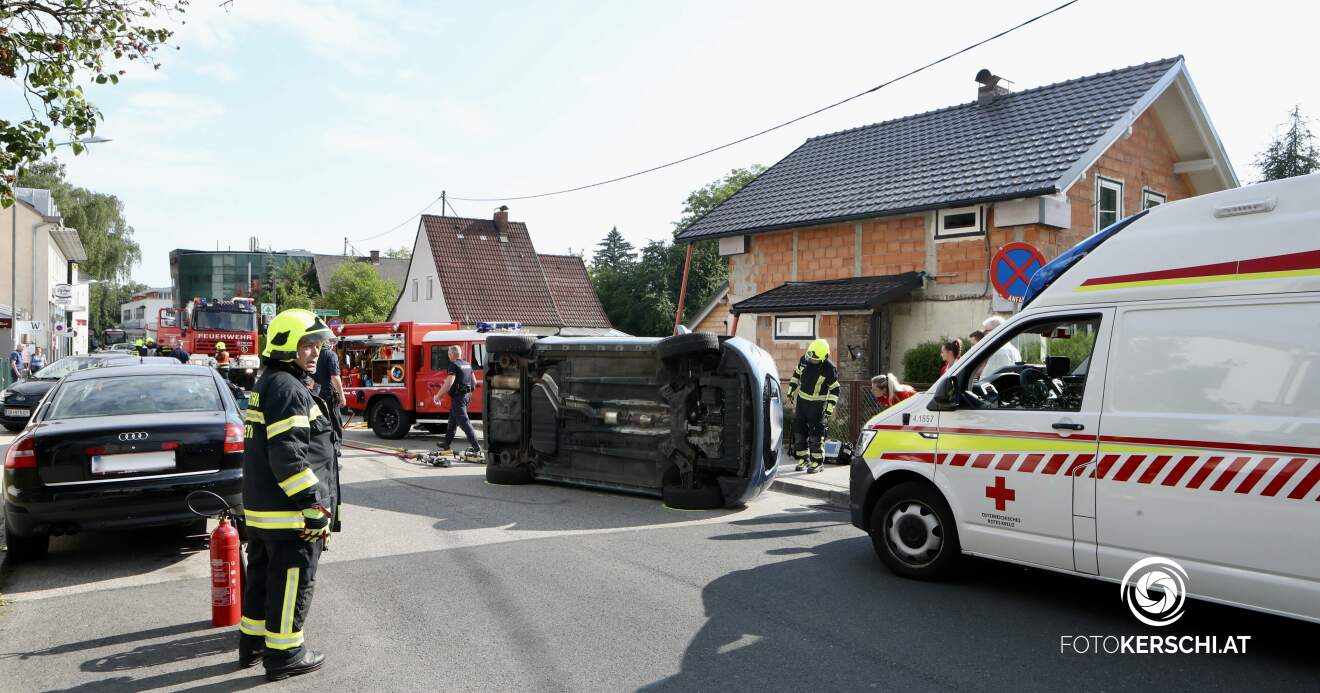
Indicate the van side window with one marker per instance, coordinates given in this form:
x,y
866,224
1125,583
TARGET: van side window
x,y
1041,367
439,358
478,355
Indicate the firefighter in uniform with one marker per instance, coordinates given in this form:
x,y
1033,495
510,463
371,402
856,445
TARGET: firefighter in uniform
x,y
815,383
290,497
222,360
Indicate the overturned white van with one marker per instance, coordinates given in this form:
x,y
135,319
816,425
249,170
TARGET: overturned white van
x,y
1166,402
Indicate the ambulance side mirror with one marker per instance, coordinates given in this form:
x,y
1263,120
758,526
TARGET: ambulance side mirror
x,y
945,397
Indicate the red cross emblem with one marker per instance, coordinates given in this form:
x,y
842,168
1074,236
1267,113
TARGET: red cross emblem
x,y
1000,493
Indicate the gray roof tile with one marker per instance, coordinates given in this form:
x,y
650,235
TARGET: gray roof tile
x,y
1020,144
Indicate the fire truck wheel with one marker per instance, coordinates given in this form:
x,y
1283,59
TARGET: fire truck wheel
x,y
26,548
913,532
510,344
680,345
389,420
509,474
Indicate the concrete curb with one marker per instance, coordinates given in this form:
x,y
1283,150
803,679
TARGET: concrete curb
x,y
807,489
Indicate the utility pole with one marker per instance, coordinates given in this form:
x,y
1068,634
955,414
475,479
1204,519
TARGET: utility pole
x,y
442,203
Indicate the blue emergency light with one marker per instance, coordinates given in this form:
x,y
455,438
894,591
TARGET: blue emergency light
x,y
492,326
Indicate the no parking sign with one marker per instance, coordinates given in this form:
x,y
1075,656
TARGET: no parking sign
x,y
1012,267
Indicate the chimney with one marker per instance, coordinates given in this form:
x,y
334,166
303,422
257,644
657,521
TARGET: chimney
x,y
990,88
502,220
375,257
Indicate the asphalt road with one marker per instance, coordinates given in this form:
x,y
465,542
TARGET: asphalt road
x,y
443,582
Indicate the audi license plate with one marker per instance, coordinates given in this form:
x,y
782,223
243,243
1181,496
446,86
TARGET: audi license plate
x,y
133,462
16,413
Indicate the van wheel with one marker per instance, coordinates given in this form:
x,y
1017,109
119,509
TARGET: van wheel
x,y
913,532
701,498
389,420
510,344
680,345
26,548
509,474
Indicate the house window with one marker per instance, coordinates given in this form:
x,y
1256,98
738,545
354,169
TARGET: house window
x,y
1108,202
414,291
430,291
141,312
1150,198
795,327
960,222
128,315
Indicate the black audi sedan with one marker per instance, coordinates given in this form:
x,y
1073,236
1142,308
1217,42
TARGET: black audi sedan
x,y
121,447
19,399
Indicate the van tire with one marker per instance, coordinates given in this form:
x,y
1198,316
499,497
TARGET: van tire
x,y
389,420
913,532
510,344
509,474
26,548
701,498
690,344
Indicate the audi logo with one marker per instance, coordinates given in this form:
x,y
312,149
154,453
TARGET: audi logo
x,y
137,435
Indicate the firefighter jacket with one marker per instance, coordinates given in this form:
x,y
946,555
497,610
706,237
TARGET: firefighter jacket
x,y
289,454
816,382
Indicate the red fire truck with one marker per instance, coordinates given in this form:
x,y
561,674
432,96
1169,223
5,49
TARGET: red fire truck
x,y
200,324
392,371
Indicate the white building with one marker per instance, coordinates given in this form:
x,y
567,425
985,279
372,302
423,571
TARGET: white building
x,y
40,290
139,316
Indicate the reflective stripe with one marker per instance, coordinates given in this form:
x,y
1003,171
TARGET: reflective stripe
x,y
298,482
250,626
284,641
283,425
274,519
811,398
314,414
290,601
254,416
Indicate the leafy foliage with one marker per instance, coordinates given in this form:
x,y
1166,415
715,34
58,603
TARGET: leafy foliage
x,y
921,363
640,292
360,294
50,49
402,252
98,217
1292,153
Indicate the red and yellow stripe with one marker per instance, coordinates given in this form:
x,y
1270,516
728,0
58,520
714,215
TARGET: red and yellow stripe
x,y
1272,267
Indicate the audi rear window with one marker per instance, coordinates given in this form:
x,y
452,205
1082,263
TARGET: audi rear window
x,y
138,394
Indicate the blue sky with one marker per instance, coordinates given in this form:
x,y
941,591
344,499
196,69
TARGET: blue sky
x,y
304,122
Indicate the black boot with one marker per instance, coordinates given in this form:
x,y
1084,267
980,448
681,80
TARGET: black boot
x,y
250,650
306,662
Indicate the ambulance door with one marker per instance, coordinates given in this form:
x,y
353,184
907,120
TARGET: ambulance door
x,y
1016,443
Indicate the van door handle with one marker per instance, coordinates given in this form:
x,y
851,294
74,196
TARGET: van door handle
x,y
1068,426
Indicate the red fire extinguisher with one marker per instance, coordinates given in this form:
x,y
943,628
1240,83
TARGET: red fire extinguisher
x,y
226,589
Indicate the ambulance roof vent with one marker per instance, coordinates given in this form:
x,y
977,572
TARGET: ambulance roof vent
x,y
1237,209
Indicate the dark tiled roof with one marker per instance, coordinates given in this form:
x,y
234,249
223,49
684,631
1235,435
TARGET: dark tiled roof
x,y
571,288
392,270
486,279
1019,144
857,293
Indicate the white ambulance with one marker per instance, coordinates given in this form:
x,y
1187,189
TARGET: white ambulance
x,y
1165,401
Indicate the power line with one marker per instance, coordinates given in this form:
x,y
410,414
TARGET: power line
x,y
754,135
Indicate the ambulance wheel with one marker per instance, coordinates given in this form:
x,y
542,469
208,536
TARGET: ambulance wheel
x,y
389,420
26,548
680,345
509,474
510,344
678,497
913,532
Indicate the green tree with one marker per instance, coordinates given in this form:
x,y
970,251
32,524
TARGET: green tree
x,y
105,299
49,50
1293,152
360,294
613,252
295,285
402,252
98,217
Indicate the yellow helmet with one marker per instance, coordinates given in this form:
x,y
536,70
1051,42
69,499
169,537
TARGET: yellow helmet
x,y
219,346
288,329
818,350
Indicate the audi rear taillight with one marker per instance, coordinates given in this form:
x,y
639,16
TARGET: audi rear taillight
x,y
233,438
22,454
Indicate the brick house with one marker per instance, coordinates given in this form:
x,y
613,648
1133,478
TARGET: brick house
x,y
487,270
880,237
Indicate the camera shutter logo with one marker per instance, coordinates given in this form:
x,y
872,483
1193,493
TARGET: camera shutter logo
x,y
129,437
1155,590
